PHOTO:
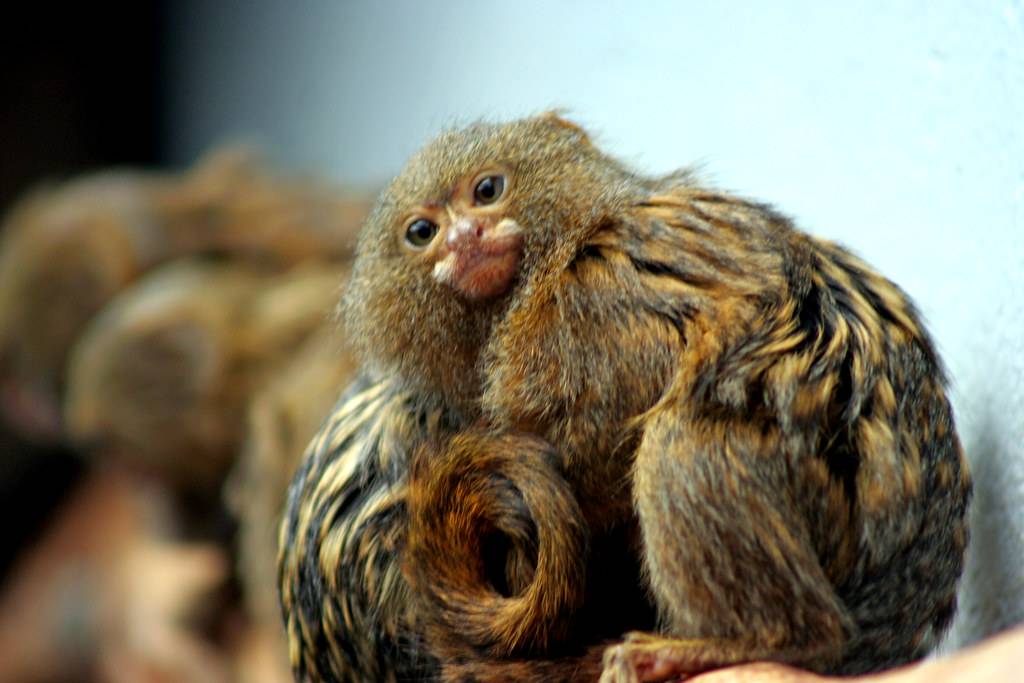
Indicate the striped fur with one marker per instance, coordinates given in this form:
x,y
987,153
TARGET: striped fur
x,y
346,605
768,409
801,391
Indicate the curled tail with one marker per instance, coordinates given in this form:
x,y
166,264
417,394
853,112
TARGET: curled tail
x,y
496,546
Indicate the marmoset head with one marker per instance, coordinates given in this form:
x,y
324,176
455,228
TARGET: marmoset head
x,y
465,224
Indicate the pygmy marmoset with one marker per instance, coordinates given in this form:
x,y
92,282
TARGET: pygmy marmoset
x,y
615,347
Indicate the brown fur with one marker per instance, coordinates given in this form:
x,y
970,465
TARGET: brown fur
x,y
348,610
162,376
281,418
68,249
769,408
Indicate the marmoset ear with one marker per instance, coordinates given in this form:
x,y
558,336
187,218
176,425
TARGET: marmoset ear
x,y
556,118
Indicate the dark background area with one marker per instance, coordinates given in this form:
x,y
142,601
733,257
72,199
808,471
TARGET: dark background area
x,y
79,89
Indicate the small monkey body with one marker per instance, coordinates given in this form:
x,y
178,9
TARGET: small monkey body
x,y
611,347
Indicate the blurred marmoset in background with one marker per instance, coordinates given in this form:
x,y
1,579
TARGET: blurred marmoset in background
x,y
169,328
68,249
163,375
603,345
280,420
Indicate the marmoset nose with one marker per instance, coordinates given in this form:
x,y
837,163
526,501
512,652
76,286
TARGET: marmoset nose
x,y
464,232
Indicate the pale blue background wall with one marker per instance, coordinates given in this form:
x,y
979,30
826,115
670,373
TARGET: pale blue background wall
x,y
894,127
